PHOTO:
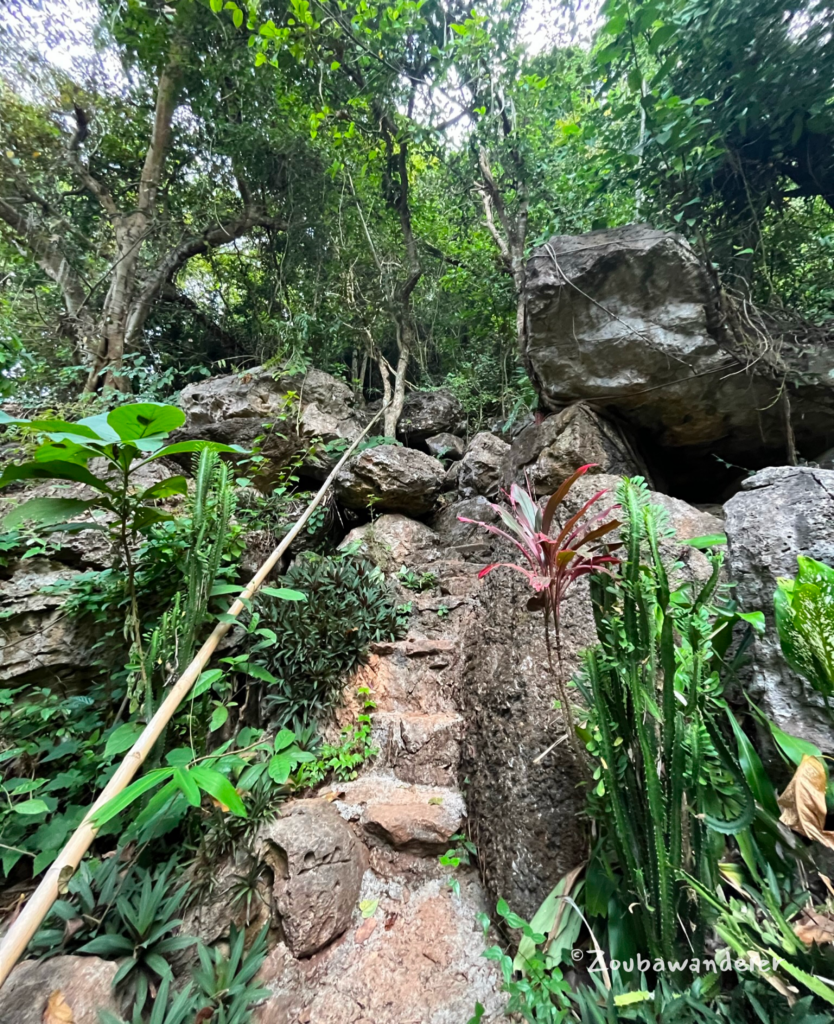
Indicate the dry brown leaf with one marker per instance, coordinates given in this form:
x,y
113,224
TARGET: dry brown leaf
x,y
815,927
58,1010
803,802
365,930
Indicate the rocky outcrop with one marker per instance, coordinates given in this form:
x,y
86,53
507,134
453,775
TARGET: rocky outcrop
x,y
625,319
392,540
482,466
549,452
83,984
446,446
317,866
391,479
417,957
426,413
39,641
287,412
780,513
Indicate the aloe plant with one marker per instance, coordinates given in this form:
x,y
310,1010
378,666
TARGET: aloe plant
x,y
554,563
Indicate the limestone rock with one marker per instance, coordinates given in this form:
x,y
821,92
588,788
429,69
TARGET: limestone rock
x,y
86,983
417,817
780,513
446,446
419,748
465,537
426,413
394,540
397,479
39,642
547,453
318,866
237,408
481,466
420,962
625,318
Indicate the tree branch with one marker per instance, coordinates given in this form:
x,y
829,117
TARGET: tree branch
x,y
166,103
90,182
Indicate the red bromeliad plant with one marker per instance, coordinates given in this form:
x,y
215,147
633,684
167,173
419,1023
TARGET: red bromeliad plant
x,y
554,563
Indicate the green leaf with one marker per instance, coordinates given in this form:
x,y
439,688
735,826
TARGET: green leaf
x,y
368,907
219,717
147,517
165,488
132,792
30,807
45,511
753,769
123,738
184,447
100,427
219,787
284,593
284,739
187,786
710,540
144,419
661,35
52,470
259,672
793,747
206,681
279,768
237,18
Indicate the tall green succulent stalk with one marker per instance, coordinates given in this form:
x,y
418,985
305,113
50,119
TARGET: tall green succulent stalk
x,y
171,645
665,780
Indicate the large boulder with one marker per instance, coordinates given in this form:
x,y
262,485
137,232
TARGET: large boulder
x,y
392,478
547,453
426,413
780,513
287,412
627,319
66,988
317,865
393,540
481,467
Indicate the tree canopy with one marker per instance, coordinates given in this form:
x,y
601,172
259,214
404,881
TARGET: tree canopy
x,y
358,185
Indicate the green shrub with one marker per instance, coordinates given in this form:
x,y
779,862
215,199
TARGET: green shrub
x,y
318,641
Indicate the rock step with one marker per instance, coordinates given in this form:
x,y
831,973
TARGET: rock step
x,y
404,815
419,748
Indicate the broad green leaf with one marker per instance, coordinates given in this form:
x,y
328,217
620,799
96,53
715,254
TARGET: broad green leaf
x,y
30,807
60,429
793,747
52,470
123,738
165,488
187,786
259,672
100,427
219,787
45,511
65,451
280,767
284,739
184,447
132,792
284,593
206,681
147,517
219,717
145,419
710,540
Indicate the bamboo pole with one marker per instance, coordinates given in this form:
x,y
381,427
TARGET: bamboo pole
x,y
22,930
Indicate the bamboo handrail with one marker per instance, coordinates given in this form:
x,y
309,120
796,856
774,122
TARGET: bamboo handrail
x,y
65,865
